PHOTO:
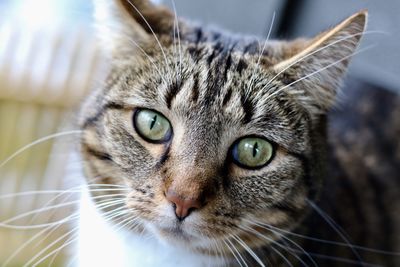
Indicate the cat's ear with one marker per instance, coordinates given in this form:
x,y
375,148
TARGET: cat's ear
x,y
313,69
123,24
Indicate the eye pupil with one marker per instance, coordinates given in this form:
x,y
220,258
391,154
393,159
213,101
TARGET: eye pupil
x,y
153,122
255,150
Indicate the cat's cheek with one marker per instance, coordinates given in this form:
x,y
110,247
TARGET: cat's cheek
x,y
135,157
272,217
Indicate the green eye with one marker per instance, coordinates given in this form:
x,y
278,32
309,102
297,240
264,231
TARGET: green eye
x,y
152,126
252,152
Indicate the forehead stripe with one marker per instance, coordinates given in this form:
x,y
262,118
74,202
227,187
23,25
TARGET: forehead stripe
x,y
247,106
173,90
93,119
227,97
195,87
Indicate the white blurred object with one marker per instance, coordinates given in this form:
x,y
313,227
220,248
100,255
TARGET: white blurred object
x,y
43,74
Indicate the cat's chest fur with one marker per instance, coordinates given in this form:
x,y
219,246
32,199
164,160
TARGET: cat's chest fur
x,y
103,245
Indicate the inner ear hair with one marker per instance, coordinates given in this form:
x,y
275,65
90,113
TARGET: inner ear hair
x,y
346,34
316,69
128,26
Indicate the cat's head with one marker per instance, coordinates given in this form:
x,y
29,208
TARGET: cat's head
x,y
212,136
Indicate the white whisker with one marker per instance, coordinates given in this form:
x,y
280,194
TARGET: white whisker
x,y
316,51
335,227
33,259
152,31
248,249
61,205
61,192
268,36
233,253
330,242
65,244
282,256
179,37
33,238
257,233
316,72
149,58
283,237
39,141
251,82
237,251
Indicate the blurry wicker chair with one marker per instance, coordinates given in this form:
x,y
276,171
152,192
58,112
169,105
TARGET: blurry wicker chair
x,y
42,75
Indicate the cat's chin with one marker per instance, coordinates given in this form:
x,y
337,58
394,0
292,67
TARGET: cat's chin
x,y
179,236
176,235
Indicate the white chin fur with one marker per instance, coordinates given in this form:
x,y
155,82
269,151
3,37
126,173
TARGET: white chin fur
x,y
99,245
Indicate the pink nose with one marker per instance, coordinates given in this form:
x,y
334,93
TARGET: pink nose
x,y
183,205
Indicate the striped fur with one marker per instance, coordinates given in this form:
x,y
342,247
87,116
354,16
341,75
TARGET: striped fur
x,y
215,88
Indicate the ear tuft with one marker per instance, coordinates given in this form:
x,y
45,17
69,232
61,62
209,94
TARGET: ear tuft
x,y
151,17
119,22
318,66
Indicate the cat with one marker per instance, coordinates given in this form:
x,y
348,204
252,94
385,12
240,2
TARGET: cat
x,y
205,148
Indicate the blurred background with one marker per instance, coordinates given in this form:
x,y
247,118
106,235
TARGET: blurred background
x,y
49,61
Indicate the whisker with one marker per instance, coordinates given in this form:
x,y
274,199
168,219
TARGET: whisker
x,y
152,31
248,249
266,39
110,215
237,251
309,254
64,220
219,250
316,51
251,82
33,259
29,241
336,243
39,141
124,223
134,224
175,49
149,58
281,255
317,71
55,251
113,215
337,259
344,260
294,252
257,233
281,236
179,37
233,253
74,190
335,227
53,207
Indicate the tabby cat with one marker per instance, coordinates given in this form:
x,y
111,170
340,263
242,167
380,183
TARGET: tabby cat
x,y
213,149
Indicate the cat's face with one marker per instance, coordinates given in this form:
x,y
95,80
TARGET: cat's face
x,y
211,136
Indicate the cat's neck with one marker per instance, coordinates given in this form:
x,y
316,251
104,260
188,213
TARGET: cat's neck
x,y
101,245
